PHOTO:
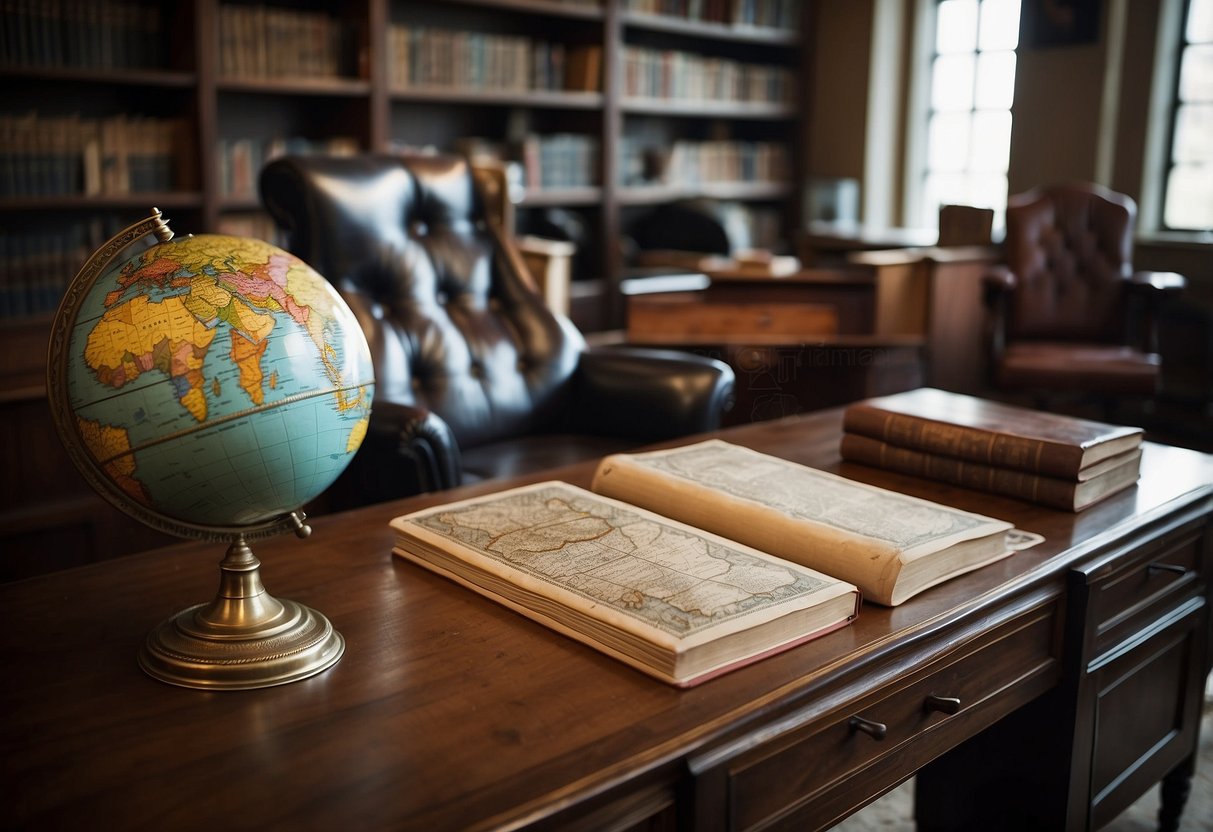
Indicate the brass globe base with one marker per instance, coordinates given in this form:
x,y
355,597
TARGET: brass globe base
x,y
243,639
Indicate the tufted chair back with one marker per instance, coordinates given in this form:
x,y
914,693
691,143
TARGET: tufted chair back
x,y
453,325
1070,248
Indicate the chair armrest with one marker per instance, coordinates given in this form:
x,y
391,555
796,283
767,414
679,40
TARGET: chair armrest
x,y
1168,282
408,450
649,394
998,278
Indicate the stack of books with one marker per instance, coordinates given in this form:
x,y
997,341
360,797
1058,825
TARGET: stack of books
x,y
1047,458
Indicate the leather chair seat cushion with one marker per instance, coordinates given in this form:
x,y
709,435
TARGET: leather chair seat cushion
x,y
1101,368
525,454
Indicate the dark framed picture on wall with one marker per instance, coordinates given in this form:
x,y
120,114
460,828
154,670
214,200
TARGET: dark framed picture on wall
x,y
1059,22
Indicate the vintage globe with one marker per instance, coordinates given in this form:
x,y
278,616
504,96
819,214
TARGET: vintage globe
x,y
210,386
212,382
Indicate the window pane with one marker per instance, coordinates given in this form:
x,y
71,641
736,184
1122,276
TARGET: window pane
x,y
944,189
952,82
995,80
1196,74
1200,22
991,140
1189,203
1193,133
999,24
988,191
956,26
948,140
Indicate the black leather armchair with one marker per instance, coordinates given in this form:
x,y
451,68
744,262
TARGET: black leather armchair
x,y
475,377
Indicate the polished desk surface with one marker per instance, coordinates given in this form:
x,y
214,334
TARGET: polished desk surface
x,y
447,711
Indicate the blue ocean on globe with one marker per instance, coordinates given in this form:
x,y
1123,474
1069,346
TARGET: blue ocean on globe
x,y
217,381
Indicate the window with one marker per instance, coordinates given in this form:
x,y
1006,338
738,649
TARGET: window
x,y
1188,199
969,114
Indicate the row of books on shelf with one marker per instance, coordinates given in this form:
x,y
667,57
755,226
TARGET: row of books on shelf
x,y
271,42
424,56
240,160
69,155
687,76
36,265
1047,458
538,162
93,34
689,163
560,160
775,14
691,562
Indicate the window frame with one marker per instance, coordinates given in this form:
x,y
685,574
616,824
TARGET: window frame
x,y
917,143
1166,158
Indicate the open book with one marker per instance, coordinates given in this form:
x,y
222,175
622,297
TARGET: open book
x,y
892,546
677,602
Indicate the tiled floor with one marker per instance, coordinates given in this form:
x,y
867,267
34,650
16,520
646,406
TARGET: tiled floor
x,y
894,812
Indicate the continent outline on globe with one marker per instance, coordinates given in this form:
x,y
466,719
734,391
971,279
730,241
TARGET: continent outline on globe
x,y
246,342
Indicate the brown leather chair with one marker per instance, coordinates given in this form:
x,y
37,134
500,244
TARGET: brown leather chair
x,y
475,377
1070,314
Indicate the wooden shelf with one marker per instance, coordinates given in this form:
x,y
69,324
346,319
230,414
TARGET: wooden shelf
x,y
654,194
712,109
545,197
764,35
103,202
544,7
107,77
352,87
502,98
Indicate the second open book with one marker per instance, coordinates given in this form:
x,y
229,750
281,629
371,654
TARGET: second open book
x,y
691,561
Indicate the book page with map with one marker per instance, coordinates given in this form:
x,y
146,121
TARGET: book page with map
x,y
677,602
890,545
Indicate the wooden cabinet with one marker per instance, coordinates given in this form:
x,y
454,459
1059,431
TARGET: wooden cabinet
x,y
805,772
1128,711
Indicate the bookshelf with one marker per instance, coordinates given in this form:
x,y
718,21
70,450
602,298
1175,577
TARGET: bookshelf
x,y
223,85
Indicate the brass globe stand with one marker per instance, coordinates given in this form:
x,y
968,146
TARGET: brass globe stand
x,y
244,638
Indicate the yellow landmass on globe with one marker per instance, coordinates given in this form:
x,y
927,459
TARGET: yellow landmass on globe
x,y
229,280
246,355
110,448
357,434
140,335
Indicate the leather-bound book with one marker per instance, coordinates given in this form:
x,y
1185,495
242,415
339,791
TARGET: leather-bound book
x,y
992,433
1095,482
674,601
892,546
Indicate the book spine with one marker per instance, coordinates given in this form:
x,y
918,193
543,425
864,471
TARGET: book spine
x,y
1048,491
971,444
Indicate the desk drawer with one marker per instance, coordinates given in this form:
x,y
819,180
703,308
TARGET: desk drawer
x,y
656,318
840,761
1128,594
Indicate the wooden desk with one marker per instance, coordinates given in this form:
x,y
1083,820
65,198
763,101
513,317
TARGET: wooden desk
x,y
451,712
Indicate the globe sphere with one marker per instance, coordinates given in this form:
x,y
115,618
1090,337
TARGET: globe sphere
x,y
211,382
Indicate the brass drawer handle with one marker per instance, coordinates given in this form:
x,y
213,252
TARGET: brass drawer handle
x,y
944,704
875,730
1167,567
